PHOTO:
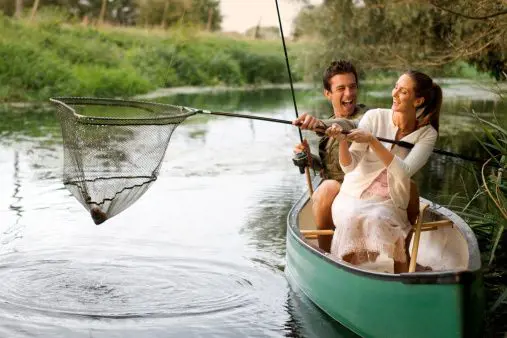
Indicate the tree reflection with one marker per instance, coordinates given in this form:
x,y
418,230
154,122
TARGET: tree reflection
x,y
307,320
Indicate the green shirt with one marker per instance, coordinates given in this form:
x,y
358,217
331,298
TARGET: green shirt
x,y
328,147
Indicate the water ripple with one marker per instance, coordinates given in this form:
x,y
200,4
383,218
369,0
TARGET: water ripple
x,y
119,289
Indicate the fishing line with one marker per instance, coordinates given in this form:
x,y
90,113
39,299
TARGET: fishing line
x,y
305,144
288,66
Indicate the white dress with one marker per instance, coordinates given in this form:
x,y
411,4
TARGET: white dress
x,y
377,221
368,225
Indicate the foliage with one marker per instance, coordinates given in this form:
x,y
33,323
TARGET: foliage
x,y
50,58
163,13
167,13
306,21
486,212
493,185
384,34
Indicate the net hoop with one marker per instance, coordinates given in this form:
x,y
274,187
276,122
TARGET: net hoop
x,y
153,118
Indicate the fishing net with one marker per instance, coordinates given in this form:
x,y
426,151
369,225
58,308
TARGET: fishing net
x,y
113,149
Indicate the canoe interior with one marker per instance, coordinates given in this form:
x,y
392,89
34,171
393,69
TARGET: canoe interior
x,y
448,248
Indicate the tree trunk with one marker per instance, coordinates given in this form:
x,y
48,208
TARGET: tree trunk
x,y
34,9
102,12
19,9
210,19
164,15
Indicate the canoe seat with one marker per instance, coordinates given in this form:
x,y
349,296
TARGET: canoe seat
x,y
417,229
428,226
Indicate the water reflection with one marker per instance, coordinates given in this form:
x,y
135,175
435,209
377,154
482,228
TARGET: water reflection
x,y
16,206
306,320
266,225
202,252
13,231
265,100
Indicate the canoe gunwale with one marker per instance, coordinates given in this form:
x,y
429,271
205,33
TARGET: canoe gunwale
x,y
465,277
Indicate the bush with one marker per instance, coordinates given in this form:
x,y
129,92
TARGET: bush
x,y
50,58
103,82
32,73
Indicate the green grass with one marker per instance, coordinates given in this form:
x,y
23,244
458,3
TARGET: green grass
x,y
52,58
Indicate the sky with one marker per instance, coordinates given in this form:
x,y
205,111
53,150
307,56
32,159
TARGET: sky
x,y
240,15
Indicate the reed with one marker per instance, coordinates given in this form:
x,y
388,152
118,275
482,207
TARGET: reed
x,y
485,210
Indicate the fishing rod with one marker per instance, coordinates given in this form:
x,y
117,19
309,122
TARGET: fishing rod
x,y
307,148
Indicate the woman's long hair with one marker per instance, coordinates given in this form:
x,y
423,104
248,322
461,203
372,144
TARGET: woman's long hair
x,y
432,94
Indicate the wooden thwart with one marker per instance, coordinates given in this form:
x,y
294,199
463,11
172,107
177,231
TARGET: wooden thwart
x,y
315,232
417,237
428,226
418,228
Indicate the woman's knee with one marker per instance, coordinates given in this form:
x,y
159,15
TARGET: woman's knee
x,y
326,192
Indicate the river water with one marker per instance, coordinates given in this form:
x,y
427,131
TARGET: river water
x,y
201,254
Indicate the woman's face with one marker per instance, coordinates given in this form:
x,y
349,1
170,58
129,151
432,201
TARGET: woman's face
x,y
403,93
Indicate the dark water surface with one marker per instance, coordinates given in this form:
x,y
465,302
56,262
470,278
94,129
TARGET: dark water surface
x,y
201,254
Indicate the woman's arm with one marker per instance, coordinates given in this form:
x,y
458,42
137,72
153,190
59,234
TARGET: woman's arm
x,y
417,157
382,152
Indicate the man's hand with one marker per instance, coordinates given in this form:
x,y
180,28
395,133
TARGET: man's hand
x,y
309,122
302,158
299,148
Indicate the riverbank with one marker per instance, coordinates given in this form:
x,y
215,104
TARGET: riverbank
x,y
52,58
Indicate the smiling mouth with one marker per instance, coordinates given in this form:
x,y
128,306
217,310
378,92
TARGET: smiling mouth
x,y
347,103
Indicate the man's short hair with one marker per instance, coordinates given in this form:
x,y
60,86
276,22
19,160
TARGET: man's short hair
x,y
338,67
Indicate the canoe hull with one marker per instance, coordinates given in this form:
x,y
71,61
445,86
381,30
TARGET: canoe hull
x,y
433,304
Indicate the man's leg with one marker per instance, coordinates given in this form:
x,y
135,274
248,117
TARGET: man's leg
x,y
322,200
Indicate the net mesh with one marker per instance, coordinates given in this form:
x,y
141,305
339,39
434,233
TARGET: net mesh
x,y
113,149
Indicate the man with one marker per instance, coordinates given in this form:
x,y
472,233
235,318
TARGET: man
x,y
340,88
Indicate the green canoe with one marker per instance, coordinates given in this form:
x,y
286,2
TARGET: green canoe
x,y
445,302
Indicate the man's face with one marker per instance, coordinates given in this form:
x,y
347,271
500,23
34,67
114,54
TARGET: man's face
x,y
343,94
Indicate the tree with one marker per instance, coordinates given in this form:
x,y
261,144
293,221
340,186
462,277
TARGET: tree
x,y
305,21
204,13
35,6
102,14
19,8
394,34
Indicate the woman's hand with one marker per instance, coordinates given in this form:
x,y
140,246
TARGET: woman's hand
x,y
309,122
336,132
360,136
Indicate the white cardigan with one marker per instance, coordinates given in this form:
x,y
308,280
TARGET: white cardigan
x,y
366,166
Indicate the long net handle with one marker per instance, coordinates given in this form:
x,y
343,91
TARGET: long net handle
x,y
251,117
403,144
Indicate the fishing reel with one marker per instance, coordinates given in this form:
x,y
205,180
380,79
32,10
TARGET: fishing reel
x,y
300,160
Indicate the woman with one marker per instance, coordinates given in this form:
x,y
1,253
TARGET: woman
x,y
370,212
